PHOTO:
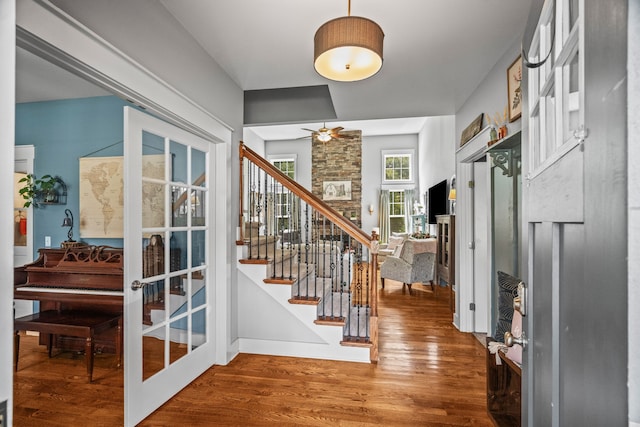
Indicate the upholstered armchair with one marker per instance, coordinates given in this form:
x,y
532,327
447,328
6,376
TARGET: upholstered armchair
x,y
416,263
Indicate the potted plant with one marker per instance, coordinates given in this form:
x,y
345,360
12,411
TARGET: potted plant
x,y
420,235
38,188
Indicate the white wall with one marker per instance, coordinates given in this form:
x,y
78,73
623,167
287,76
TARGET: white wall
x,y
372,147
436,153
490,97
301,148
437,147
253,141
633,286
146,31
7,134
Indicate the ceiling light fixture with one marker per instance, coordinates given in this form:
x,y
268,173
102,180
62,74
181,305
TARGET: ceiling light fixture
x,y
348,49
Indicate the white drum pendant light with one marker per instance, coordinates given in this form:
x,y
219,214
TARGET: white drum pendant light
x,y
348,49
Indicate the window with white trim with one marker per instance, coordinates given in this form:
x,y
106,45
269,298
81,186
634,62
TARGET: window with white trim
x,y
397,211
397,166
282,196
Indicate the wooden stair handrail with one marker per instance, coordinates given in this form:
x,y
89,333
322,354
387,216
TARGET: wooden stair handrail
x,y
304,194
184,195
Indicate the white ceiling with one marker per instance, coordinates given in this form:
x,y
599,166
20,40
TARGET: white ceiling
x,y
436,52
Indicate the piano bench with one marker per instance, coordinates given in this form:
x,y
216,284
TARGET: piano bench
x,y
73,323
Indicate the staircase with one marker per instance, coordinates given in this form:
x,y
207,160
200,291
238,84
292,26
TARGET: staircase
x,y
306,275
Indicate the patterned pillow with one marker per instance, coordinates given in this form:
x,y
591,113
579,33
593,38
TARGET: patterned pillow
x,y
507,290
394,242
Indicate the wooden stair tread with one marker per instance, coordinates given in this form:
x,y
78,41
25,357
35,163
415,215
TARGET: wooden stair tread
x,y
304,300
356,342
278,281
326,320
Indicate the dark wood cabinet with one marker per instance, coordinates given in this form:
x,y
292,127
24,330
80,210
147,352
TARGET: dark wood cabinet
x,y
446,235
504,385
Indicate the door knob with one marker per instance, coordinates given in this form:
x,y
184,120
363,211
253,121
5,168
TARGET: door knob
x,y
136,284
510,340
520,302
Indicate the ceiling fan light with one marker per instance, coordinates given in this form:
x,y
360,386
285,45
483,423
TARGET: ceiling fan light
x,y
348,49
324,136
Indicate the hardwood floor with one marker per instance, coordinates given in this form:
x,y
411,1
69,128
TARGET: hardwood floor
x,y
429,374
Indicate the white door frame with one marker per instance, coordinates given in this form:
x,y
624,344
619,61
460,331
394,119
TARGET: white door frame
x,y
24,156
7,137
50,33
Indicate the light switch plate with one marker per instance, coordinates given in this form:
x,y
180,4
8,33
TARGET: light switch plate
x,y
47,241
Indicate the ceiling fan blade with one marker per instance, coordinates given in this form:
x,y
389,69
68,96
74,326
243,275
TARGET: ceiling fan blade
x,y
337,129
310,130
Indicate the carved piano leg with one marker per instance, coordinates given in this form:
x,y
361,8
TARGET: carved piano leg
x,y
16,349
50,344
119,341
88,355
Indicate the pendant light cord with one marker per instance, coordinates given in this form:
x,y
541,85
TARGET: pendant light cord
x,y
349,9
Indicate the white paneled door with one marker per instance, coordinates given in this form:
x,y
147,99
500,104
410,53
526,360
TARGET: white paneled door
x,y
168,287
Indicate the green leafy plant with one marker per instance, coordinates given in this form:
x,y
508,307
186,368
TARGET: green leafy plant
x,y
420,235
36,188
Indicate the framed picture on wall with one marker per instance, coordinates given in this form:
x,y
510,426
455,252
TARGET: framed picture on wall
x,y
336,190
472,130
514,91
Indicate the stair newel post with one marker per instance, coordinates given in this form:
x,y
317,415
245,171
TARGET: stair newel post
x,y
373,318
242,193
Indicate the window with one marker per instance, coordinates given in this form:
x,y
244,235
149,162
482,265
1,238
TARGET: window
x,y
396,211
397,167
288,166
283,198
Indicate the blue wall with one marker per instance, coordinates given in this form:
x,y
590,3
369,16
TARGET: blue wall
x,y
62,132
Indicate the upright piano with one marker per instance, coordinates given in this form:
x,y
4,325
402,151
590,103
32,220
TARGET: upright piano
x,y
87,278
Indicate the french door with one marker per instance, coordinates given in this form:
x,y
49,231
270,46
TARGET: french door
x,y
577,238
168,288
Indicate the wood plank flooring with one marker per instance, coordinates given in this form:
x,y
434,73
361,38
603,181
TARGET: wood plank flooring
x,y
429,374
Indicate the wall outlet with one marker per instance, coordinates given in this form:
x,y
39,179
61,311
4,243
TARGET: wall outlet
x,y
47,241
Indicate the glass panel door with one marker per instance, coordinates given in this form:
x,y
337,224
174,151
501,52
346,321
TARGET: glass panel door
x,y
168,305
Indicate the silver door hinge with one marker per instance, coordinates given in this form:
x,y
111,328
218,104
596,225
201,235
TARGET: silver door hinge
x,y
471,184
472,306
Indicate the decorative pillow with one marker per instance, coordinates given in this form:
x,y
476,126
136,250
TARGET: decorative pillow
x,y
394,242
397,251
507,290
403,236
515,353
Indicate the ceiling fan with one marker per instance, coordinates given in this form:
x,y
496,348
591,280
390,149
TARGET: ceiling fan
x,y
324,134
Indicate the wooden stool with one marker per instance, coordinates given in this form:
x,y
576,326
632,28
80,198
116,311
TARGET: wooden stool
x,y
73,323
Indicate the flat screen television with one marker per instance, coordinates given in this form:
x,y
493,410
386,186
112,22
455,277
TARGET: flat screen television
x,y
437,201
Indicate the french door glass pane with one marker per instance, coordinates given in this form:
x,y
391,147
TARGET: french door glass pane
x,y
179,337
198,167
570,99
178,162
574,12
199,328
548,126
153,352
536,156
